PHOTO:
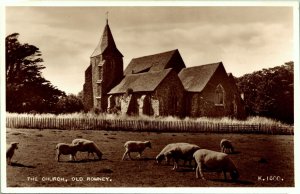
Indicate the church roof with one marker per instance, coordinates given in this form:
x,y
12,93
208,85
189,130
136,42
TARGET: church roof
x,y
194,79
156,62
142,82
106,42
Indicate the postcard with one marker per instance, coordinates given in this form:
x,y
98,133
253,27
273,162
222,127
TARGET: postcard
x,y
149,97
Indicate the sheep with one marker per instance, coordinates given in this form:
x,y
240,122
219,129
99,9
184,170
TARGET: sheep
x,y
226,145
10,151
66,149
216,161
88,146
177,151
135,146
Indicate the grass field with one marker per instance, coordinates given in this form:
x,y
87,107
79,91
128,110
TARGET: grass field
x,y
258,157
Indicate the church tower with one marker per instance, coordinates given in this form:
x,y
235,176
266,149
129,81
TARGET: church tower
x,y
106,64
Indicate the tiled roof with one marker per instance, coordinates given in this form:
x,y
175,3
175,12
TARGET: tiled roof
x,y
107,41
156,62
142,82
194,79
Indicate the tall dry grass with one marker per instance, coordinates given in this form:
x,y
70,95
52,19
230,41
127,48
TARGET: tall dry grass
x,y
224,120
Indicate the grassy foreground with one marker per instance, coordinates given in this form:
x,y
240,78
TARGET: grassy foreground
x,y
258,157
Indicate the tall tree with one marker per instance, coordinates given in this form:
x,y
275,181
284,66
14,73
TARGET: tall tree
x,y
26,89
270,92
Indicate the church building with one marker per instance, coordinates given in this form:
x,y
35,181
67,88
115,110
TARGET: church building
x,y
157,85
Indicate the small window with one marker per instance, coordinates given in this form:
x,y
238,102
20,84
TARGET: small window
x,y
220,95
100,72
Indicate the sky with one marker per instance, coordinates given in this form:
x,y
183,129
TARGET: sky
x,y
245,39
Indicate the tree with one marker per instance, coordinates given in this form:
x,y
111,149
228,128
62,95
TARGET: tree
x,y
270,92
26,89
69,104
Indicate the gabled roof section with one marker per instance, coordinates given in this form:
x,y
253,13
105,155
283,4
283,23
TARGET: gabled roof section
x,y
194,79
106,42
142,82
156,62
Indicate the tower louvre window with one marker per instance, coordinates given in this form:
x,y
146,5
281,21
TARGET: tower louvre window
x,y
100,71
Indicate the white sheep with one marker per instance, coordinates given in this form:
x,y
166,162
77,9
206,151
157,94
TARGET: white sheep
x,y
66,149
135,146
216,161
10,151
89,147
226,146
177,151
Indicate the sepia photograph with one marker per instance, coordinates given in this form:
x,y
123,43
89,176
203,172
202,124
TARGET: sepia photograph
x,y
149,95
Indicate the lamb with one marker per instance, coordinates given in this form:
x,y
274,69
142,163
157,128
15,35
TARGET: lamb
x,y
226,145
66,149
177,151
216,161
88,146
135,146
10,152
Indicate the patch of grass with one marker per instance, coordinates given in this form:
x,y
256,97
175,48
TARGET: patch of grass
x,y
105,170
40,153
16,133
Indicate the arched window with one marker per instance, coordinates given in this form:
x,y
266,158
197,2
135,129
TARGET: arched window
x,y
220,96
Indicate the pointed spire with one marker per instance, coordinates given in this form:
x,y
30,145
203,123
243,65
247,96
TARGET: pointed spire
x,y
107,41
107,18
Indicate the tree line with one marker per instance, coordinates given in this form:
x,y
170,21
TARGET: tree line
x,y
268,93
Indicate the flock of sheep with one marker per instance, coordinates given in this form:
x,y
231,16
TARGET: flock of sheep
x,y
204,158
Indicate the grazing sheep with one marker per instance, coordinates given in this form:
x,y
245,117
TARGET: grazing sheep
x,y
10,152
66,149
177,151
135,146
226,145
89,147
216,161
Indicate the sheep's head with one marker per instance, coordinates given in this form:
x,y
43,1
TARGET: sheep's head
x,y
234,175
15,145
148,144
159,158
99,154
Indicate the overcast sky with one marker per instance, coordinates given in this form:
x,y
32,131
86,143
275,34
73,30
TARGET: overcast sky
x,y
245,39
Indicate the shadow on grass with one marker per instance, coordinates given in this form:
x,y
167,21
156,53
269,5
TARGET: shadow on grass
x,y
84,160
21,165
139,159
243,182
185,170
235,152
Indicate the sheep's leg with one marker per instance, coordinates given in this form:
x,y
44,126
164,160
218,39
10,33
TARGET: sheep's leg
x,y
224,172
140,155
58,155
9,161
175,165
124,155
93,155
197,172
129,156
201,171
